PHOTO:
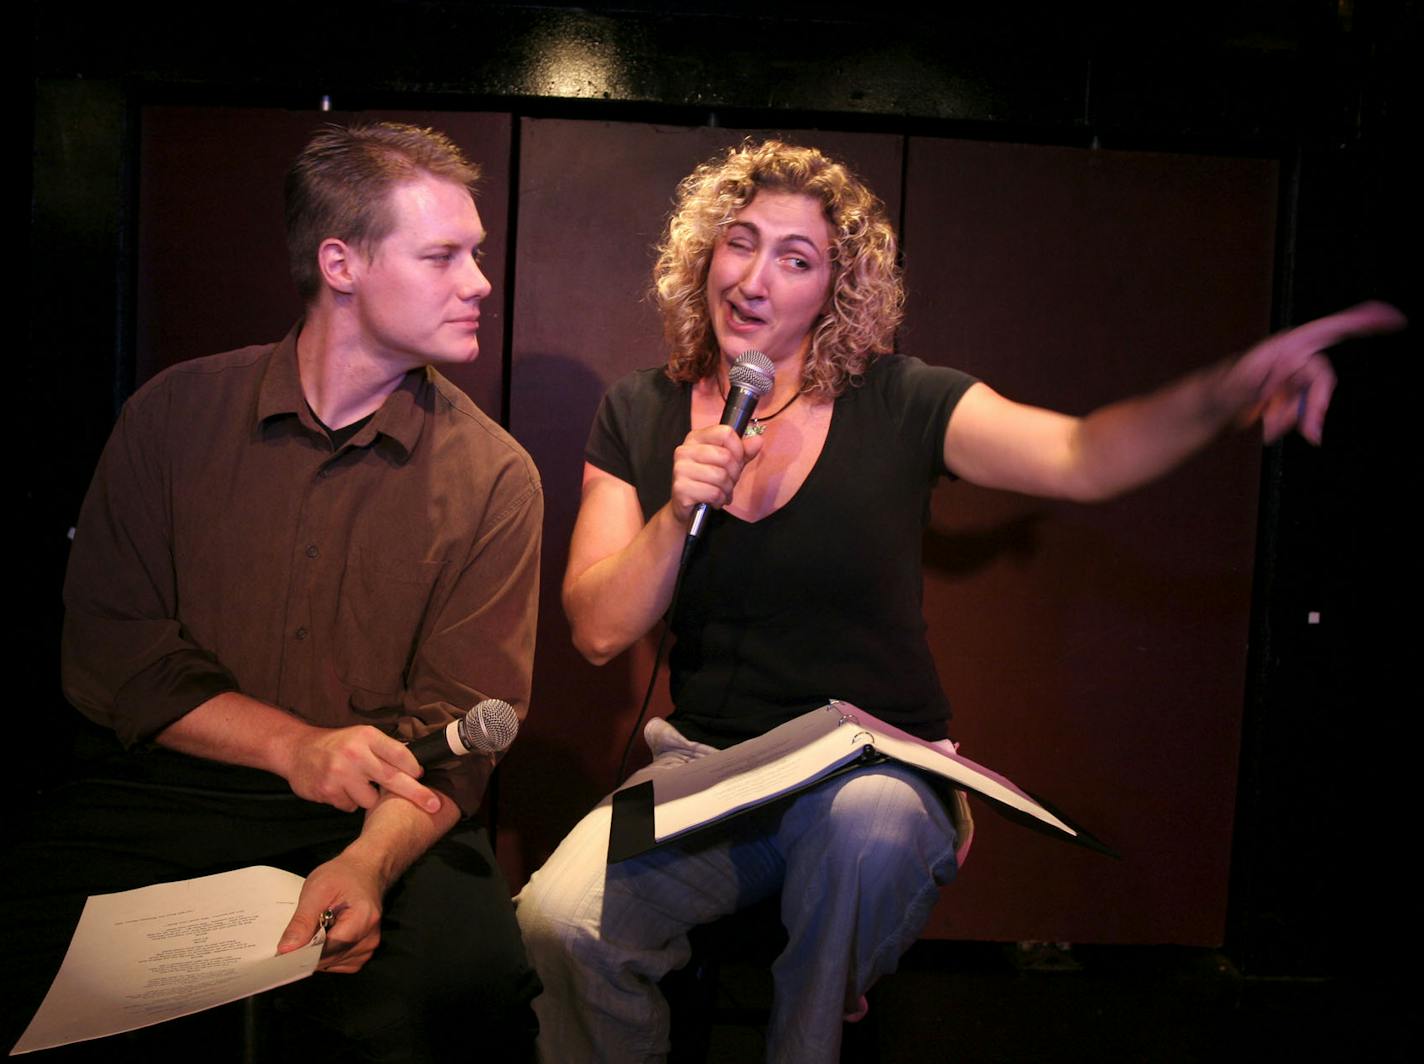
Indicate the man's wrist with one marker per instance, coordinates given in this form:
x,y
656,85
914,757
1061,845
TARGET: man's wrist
x,y
284,743
395,833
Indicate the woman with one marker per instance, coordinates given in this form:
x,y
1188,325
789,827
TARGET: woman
x,y
807,583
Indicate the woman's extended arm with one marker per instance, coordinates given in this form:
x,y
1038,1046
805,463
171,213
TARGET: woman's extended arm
x,y
1285,381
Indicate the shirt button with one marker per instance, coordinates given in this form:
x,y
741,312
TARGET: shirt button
x,y
322,474
301,633
312,552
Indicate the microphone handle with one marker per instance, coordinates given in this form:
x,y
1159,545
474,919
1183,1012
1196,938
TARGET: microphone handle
x,y
439,746
738,411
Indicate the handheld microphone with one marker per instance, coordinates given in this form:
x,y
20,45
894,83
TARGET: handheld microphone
x,y
749,379
487,729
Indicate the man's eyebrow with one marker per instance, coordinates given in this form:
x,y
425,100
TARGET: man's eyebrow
x,y
448,244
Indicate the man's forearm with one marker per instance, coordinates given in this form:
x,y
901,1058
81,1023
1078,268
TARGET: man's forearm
x,y
347,768
239,730
396,833
353,884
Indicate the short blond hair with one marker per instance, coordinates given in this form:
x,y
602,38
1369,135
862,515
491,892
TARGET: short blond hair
x,y
867,301
339,186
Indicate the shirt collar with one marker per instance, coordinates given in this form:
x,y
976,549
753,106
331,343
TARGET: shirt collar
x,y
399,419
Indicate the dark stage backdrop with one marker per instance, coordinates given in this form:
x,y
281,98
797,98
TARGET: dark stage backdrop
x,y
1095,654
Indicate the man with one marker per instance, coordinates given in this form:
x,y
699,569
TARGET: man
x,y
292,558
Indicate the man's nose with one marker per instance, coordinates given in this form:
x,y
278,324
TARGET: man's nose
x,y
473,282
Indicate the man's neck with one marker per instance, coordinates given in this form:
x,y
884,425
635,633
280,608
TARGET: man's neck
x,y
341,380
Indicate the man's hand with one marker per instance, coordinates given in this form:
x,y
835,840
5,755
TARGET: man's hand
x,y
344,766
352,884
350,890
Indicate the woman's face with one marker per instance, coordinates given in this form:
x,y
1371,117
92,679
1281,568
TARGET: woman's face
x,y
770,277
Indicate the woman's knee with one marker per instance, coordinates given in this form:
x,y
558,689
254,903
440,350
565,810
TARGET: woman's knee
x,y
550,921
881,820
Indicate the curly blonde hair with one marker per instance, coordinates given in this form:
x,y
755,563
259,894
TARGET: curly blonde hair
x,y
867,300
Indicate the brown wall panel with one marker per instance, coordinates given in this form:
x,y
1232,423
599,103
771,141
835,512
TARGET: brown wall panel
x,y
212,261
1094,653
592,200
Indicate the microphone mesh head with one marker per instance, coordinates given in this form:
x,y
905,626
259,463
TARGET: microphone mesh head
x,y
490,727
753,371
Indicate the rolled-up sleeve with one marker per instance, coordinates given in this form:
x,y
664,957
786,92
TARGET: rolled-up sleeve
x,y
126,661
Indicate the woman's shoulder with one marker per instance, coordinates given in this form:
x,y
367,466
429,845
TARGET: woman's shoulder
x,y
639,412
899,374
645,385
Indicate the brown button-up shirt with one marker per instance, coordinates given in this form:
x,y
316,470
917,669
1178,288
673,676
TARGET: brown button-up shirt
x,y
223,545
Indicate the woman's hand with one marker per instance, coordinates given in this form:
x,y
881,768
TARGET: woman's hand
x,y
707,466
1286,381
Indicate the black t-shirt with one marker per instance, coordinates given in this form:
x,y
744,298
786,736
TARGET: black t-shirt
x,y
821,598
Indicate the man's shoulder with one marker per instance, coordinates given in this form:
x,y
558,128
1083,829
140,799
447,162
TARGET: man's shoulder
x,y
217,375
243,360
467,428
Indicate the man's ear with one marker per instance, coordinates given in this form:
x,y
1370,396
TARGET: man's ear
x,y
337,261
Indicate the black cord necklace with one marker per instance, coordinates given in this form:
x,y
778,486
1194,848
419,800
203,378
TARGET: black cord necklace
x,y
758,425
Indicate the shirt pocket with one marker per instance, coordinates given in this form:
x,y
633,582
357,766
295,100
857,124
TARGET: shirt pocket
x,y
380,615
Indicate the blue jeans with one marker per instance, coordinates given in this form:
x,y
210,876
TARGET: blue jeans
x,y
858,860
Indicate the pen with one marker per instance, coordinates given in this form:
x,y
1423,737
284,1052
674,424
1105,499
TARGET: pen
x,y
328,916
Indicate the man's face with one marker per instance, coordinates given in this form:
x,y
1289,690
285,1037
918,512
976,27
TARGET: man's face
x,y
418,292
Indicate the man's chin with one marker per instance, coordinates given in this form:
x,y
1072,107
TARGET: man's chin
x,y
457,357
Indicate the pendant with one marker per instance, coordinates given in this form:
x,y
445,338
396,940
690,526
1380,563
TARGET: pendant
x,y
756,428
